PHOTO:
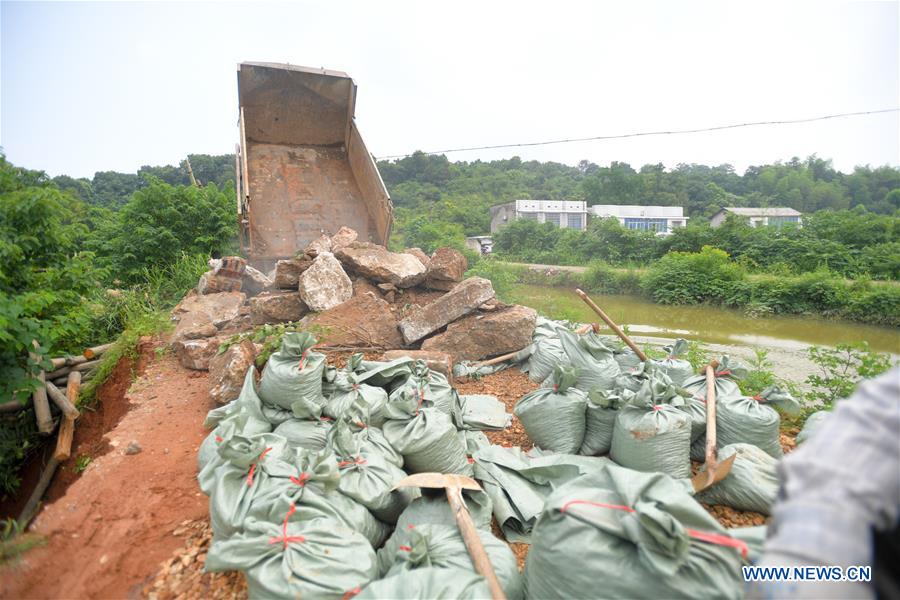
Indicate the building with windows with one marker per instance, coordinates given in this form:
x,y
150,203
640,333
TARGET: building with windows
x,y
776,216
661,219
567,214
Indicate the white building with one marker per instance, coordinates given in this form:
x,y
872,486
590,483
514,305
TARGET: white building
x,y
777,216
661,219
567,214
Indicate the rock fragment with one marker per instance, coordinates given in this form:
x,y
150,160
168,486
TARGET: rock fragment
x,y
227,371
463,299
277,307
480,336
324,285
287,272
446,269
363,321
380,265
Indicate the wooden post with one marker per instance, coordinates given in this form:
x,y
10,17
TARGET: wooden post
x,y
61,400
96,351
41,405
67,427
65,361
38,493
85,366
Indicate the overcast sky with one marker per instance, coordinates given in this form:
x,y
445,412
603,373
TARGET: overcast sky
x,y
113,86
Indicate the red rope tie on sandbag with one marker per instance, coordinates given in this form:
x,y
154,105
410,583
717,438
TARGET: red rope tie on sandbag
x,y
301,481
302,360
285,538
657,407
722,373
758,398
470,459
406,548
555,387
703,536
351,593
359,460
219,439
253,466
360,424
719,540
421,399
355,386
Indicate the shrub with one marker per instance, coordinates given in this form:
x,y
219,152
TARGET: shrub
x,y
692,278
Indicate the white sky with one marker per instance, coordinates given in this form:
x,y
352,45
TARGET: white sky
x,y
113,86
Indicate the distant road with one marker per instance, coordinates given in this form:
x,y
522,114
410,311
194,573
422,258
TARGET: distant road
x,y
537,267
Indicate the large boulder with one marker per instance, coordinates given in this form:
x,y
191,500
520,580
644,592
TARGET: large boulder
x,y
276,307
380,265
420,254
288,271
344,237
228,370
482,335
364,320
217,309
318,246
225,275
463,299
196,354
324,284
254,281
446,269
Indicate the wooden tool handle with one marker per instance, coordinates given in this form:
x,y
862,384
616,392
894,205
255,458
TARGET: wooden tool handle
x,y
711,450
473,543
612,325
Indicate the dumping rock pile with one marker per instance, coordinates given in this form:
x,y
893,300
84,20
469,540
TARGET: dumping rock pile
x,y
353,294
303,458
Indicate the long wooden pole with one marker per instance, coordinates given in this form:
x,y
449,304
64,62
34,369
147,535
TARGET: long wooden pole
x,y
711,449
473,542
41,405
85,366
61,400
612,325
96,351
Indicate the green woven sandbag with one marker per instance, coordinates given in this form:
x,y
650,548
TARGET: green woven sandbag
x,y
519,482
248,475
428,583
481,412
600,420
243,415
618,533
293,372
651,434
425,437
546,353
752,483
728,373
754,420
754,537
432,508
554,417
358,401
812,424
696,410
307,434
294,558
367,476
592,358
443,546
678,369
312,488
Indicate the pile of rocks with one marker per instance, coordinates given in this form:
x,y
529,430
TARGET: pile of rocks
x,y
350,294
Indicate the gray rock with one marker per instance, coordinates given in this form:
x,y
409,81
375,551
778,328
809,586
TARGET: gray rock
x,y
324,285
277,307
447,268
318,246
218,309
463,299
228,370
420,254
382,266
254,281
132,448
480,336
344,237
287,272
196,354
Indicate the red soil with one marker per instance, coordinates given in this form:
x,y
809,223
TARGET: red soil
x,y
108,528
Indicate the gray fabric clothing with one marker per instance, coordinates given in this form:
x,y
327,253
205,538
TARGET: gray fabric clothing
x,y
836,490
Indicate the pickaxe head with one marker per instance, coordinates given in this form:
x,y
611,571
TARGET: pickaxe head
x,y
438,480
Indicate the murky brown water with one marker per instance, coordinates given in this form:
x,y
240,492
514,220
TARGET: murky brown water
x,y
706,323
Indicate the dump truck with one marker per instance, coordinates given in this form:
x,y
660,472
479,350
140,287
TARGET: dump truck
x,y
301,164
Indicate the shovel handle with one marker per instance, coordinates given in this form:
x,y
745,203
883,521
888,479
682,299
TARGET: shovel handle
x,y
711,450
473,543
612,325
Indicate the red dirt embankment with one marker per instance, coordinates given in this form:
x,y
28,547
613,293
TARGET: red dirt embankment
x,y
108,529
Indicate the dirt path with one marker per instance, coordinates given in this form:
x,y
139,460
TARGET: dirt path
x,y
113,526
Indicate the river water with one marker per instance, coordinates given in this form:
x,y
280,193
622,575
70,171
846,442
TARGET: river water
x,y
706,323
